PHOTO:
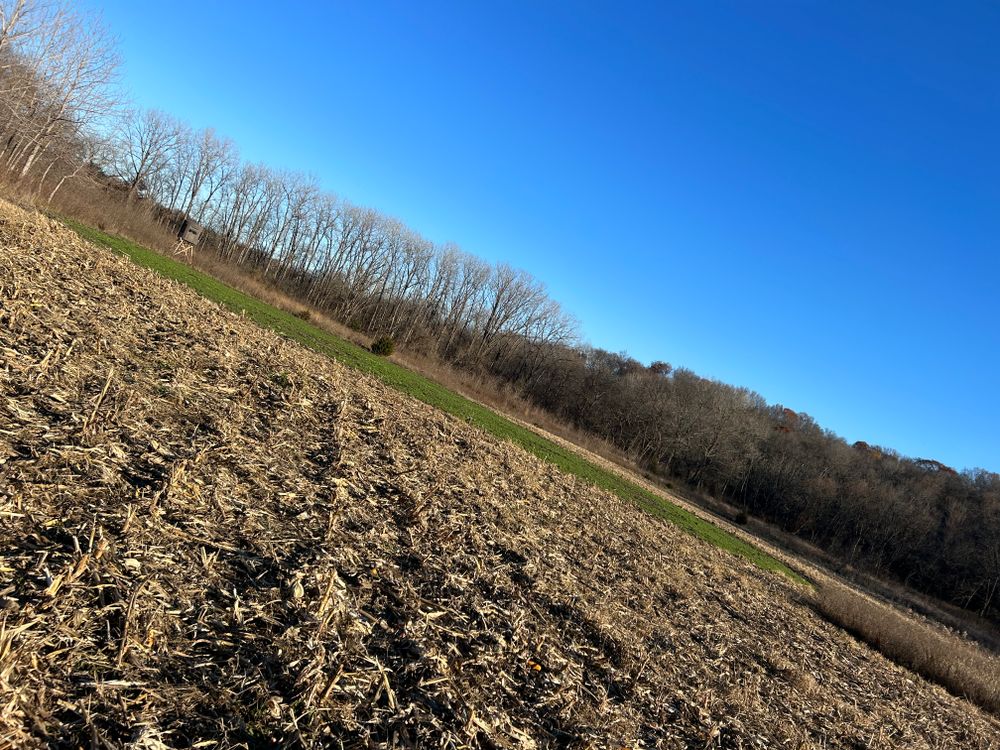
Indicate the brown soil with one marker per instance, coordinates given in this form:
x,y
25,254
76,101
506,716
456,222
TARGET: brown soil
x,y
212,537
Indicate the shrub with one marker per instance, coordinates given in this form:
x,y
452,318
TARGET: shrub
x,y
383,346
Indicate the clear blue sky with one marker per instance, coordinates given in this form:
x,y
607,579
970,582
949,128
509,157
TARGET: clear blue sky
x,y
799,197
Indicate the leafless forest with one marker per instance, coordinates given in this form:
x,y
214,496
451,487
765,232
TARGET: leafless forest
x,y
69,137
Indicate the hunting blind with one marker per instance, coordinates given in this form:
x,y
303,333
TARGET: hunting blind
x,y
190,232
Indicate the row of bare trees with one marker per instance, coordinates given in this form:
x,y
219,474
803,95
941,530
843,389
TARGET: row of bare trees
x,y
60,120
368,270
157,157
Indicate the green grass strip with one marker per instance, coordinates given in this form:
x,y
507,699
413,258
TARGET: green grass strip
x,y
430,392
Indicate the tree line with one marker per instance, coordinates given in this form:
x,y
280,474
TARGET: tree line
x,y
62,122
366,269
915,521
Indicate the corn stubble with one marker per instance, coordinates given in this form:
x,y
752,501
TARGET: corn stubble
x,y
212,537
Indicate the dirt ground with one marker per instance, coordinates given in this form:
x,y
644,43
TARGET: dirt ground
x,y
211,537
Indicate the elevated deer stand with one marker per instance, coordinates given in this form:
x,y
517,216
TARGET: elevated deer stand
x,y
187,238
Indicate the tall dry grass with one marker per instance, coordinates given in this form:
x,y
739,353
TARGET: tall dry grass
x,y
963,668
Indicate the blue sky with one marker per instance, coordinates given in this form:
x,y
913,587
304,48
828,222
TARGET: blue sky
x,y
798,197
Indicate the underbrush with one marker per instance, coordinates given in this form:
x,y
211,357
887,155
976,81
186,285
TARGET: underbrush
x,y
963,668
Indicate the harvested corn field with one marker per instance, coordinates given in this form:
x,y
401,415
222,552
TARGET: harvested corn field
x,y
213,537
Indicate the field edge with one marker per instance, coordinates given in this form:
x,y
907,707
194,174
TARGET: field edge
x,y
428,391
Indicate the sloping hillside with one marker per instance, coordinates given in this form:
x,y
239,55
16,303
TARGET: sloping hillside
x,y
213,537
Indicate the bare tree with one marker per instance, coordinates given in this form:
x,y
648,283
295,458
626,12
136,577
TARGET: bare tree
x,y
145,143
76,81
57,74
214,162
